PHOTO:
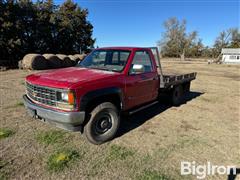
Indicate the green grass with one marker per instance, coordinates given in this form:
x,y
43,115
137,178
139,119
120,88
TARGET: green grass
x,y
50,137
113,156
2,163
119,152
146,158
152,175
164,153
19,104
3,176
62,159
5,132
4,173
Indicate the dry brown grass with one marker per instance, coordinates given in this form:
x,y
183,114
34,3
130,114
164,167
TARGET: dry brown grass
x,y
151,144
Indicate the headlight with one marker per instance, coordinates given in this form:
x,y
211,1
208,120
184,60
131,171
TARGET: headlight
x,y
64,96
66,100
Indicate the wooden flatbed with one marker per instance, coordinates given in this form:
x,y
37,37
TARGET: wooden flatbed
x,y
168,81
172,80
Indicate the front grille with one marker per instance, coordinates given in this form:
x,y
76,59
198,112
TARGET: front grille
x,y
42,94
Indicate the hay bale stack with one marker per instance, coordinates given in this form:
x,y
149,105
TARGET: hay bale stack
x,y
34,62
53,61
74,59
80,56
66,61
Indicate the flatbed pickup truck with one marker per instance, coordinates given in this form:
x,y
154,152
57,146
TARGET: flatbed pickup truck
x,y
91,96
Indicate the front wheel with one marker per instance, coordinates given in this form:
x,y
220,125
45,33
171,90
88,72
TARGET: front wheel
x,y
103,123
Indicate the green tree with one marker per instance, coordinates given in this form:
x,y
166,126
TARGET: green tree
x,y
74,31
222,41
196,49
226,39
27,26
235,38
207,52
10,44
41,27
45,13
176,42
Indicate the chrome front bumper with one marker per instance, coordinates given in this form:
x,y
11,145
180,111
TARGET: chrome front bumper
x,y
71,121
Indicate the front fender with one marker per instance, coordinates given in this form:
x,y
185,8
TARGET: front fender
x,y
89,96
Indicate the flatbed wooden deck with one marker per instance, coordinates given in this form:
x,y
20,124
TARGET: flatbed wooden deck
x,y
175,79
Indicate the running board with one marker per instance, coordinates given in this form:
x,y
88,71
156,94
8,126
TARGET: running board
x,y
143,107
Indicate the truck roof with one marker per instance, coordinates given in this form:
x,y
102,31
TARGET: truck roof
x,y
124,48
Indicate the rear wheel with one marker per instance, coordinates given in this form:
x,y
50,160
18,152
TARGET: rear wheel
x,y
186,87
177,95
103,123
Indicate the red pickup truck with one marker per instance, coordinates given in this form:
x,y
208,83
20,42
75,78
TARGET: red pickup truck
x,y
91,96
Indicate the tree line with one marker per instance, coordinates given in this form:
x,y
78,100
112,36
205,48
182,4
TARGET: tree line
x,y
176,42
42,27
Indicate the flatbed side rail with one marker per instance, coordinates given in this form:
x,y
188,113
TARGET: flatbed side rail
x,y
169,80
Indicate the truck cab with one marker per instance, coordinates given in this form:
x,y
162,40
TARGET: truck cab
x,y
91,96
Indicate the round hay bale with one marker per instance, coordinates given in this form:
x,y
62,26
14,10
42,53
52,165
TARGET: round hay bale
x,y
53,61
80,56
66,61
34,62
74,59
61,56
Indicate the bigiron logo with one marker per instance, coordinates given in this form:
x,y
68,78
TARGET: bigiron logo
x,y
204,170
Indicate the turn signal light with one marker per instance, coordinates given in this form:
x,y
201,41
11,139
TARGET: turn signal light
x,y
71,99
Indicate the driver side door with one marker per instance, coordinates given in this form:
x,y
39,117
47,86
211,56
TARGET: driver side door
x,y
142,80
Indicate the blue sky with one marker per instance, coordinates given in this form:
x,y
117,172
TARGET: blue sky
x,y
140,23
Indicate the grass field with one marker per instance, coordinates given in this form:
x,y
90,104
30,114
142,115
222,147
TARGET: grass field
x,y
150,144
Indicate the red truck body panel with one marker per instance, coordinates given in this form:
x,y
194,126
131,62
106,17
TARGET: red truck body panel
x,y
67,78
136,89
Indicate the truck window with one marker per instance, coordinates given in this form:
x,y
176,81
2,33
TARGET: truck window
x,y
99,58
141,59
120,57
115,58
109,60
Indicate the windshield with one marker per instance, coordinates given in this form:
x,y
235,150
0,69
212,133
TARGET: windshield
x,y
110,60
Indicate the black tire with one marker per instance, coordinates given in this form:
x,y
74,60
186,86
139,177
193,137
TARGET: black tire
x,y
103,123
177,95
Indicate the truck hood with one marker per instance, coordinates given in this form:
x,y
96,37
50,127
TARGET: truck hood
x,y
67,77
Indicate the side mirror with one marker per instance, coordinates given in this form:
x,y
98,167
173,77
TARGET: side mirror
x,y
137,69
